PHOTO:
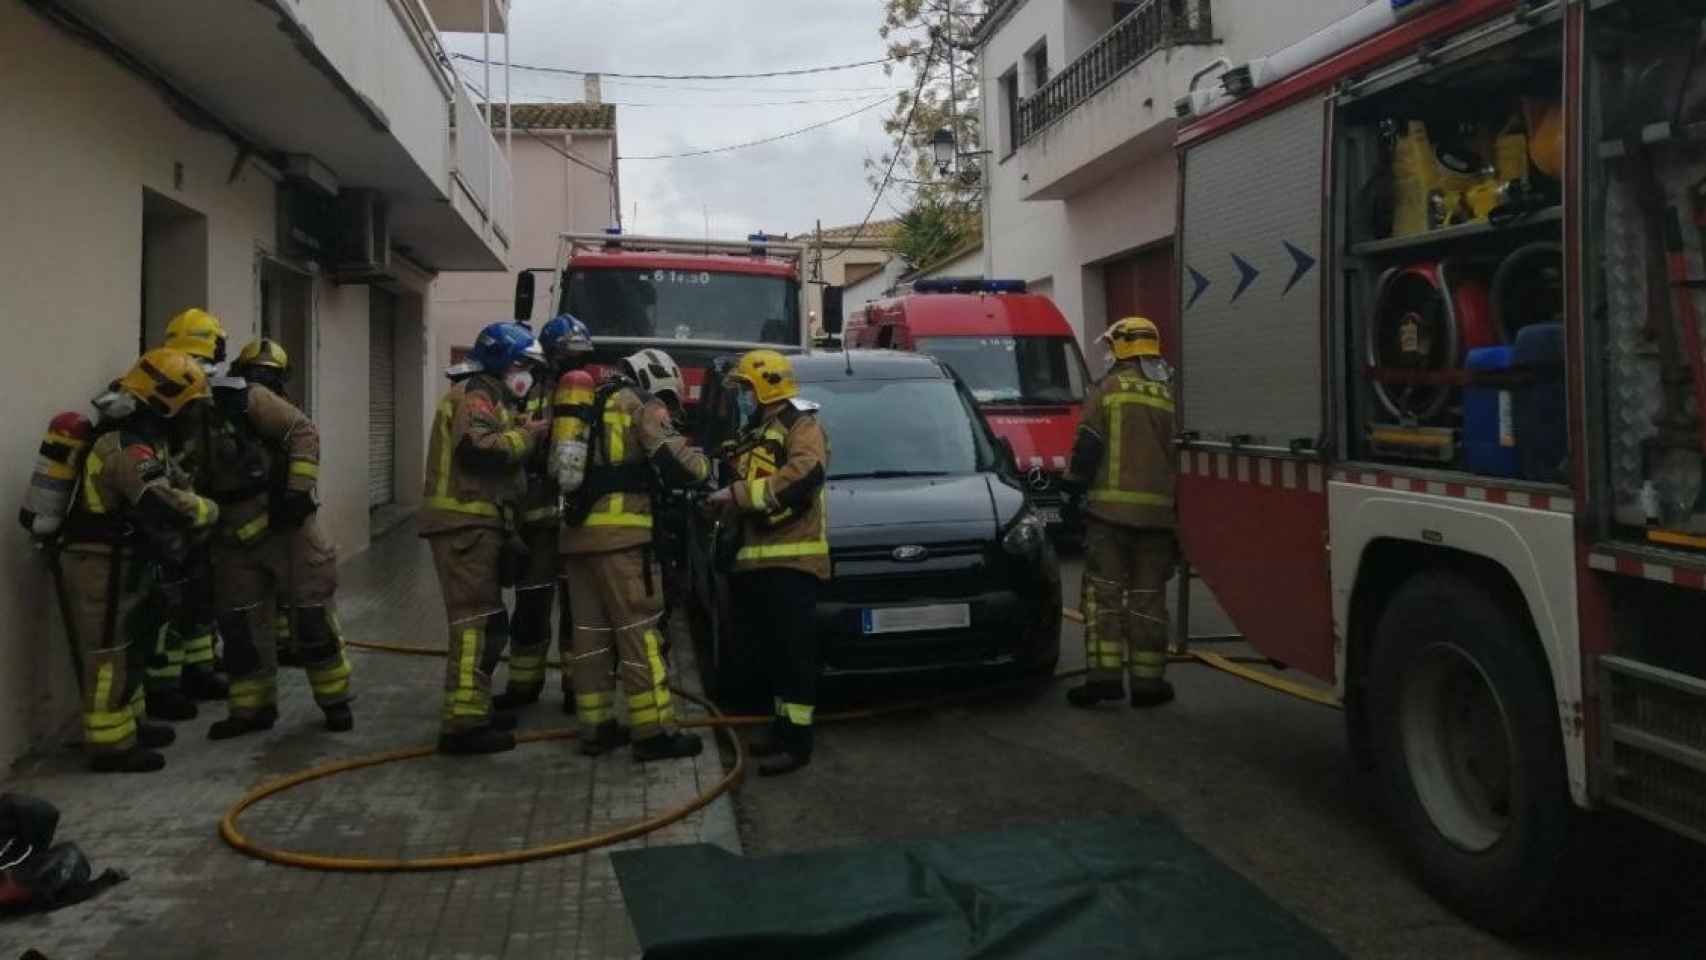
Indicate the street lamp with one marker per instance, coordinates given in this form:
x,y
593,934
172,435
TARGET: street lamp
x,y
942,144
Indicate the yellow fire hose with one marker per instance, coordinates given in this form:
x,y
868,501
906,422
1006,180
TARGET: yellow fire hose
x,y
233,836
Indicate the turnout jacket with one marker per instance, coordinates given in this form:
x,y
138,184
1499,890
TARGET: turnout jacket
x,y
782,466
1123,453
475,461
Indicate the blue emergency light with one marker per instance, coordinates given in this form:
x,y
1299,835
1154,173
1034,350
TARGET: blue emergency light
x,y
967,285
758,240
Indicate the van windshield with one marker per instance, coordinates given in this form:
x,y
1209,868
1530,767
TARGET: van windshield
x,y
1014,370
893,428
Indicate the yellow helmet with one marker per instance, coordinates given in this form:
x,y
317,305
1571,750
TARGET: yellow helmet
x,y
1133,337
769,374
166,381
197,333
264,353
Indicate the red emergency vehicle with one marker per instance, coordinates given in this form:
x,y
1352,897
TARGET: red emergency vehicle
x,y
1441,395
694,299
1015,352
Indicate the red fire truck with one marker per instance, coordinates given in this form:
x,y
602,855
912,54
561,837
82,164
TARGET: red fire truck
x,y
1441,399
695,299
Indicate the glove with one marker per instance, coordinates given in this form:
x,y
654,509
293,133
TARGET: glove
x,y
294,509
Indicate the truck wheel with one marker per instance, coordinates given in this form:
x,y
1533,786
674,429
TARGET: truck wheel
x,y
1468,750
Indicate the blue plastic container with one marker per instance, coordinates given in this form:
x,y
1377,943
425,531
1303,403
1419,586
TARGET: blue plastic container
x,y
1490,431
1542,409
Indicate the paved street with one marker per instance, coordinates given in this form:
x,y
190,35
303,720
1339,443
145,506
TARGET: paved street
x,y
1260,779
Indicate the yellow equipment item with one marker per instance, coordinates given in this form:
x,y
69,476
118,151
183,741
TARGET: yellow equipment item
x,y
58,465
166,380
769,374
1133,337
1545,119
197,333
265,353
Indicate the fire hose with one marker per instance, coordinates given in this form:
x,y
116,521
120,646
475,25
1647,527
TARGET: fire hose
x,y
716,721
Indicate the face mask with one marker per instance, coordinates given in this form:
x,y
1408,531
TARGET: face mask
x,y
748,404
519,383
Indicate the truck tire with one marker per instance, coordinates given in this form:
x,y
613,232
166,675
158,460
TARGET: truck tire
x,y
1468,750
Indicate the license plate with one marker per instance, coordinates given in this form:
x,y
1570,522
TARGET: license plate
x,y
1049,515
941,616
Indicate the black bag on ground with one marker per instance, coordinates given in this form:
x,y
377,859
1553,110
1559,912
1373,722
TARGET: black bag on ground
x,y
36,874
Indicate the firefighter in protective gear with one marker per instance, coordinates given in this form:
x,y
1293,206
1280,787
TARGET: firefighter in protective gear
x,y
133,511
781,465
1121,477
183,654
475,480
630,445
567,345
265,362
261,462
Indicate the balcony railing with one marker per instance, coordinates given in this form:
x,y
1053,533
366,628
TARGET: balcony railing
x,y
1154,25
480,165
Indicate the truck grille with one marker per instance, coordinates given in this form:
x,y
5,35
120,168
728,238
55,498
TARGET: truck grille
x,y
1655,737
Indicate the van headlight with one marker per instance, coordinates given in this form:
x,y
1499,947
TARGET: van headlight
x,y
1027,534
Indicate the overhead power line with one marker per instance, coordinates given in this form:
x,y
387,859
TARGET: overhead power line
x,y
894,158
802,71
874,104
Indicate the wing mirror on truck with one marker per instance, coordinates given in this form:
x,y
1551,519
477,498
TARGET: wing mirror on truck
x,y
524,295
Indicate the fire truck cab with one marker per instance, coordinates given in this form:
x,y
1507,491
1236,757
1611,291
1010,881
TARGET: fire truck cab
x,y
1441,396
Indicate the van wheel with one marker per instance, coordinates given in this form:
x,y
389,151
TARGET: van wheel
x,y
1468,750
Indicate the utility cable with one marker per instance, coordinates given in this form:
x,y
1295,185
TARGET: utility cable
x,y
874,104
803,71
888,175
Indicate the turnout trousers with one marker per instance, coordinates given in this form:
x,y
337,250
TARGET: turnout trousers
x,y
1124,601
615,605
112,661
535,595
185,639
300,569
466,560
773,608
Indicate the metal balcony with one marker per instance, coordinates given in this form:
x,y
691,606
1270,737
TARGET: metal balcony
x,y
1154,25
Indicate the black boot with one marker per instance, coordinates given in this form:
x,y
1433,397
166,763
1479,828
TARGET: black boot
x,y
771,741
290,657
134,760
609,736
203,683
339,719
477,740
170,704
667,746
1090,694
796,752
1150,693
518,695
238,726
153,736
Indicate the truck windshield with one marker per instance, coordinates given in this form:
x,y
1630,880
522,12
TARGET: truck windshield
x,y
1014,370
895,428
684,305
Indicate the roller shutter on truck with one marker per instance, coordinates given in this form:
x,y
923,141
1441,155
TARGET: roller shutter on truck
x,y
1252,500
1251,284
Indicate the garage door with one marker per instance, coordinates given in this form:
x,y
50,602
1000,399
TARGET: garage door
x,y
1141,285
381,399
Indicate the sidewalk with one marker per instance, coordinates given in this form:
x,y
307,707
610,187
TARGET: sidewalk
x,y
191,896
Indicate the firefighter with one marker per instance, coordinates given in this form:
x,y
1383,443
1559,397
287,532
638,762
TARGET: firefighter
x,y
182,667
260,460
781,462
566,345
1121,480
133,510
610,446
265,362
475,480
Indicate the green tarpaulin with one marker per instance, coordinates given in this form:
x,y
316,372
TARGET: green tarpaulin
x,y
1130,888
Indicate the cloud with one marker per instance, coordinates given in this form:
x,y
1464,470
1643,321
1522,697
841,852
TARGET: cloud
x,y
783,186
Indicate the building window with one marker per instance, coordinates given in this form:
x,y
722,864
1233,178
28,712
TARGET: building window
x,y
1010,107
1038,61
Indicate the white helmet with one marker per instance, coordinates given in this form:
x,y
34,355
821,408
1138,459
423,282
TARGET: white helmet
x,y
657,374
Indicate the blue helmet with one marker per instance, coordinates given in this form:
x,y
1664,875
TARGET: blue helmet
x,y
565,335
501,345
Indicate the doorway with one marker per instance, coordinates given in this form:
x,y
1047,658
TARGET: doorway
x,y
287,312
174,265
1141,285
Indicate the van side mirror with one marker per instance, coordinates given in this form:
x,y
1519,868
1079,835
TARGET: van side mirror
x,y
524,295
832,310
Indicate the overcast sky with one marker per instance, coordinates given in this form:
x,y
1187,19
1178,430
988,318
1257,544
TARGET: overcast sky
x,y
779,187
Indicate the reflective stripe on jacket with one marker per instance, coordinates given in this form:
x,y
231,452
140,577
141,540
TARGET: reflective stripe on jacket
x,y
1131,417
127,480
782,494
474,458
637,434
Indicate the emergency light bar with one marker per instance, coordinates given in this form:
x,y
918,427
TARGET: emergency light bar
x,y
968,285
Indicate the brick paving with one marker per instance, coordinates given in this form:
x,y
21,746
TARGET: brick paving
x,y
190,896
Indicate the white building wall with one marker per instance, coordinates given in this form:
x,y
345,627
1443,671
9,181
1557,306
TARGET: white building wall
x,y
1060,242
71,241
